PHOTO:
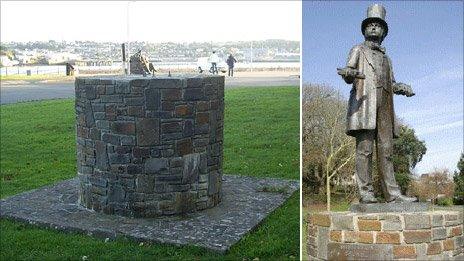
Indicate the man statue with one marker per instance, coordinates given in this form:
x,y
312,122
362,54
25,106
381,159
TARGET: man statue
x,y
139,64
370,109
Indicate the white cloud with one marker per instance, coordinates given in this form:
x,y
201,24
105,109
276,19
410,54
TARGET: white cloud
x,y
434,112
427,129
438,80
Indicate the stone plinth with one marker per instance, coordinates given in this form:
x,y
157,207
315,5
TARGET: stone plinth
x,y
149,146
390,207
386,236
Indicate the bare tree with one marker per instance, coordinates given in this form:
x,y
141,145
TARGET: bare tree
x,y
328,152
433,185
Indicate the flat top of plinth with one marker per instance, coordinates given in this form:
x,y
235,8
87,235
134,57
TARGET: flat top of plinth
x,y
246,202
390,207
149,77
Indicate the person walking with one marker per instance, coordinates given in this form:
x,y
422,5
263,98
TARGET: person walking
x,y
214,59
230,62
69,69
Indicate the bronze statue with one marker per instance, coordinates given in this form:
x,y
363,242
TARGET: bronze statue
x,y
139,64
370,109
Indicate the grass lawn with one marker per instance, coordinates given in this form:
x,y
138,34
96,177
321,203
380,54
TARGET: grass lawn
x,y
261,139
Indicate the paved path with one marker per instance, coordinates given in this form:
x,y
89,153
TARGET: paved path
x,y
31,91
244,205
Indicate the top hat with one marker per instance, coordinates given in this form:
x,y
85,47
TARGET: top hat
x,y
375,13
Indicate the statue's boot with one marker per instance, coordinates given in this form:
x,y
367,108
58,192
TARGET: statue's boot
x,y
404,199
368,198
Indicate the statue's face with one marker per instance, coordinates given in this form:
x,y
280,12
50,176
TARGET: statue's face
x,y
374,30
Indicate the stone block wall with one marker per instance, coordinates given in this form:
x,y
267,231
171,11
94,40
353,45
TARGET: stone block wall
x,y
386,236
149,146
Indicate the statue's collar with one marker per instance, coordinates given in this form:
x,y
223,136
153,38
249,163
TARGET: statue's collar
x,y
374,46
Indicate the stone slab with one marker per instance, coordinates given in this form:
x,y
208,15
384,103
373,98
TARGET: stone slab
x,y
245,203
390,207
341,251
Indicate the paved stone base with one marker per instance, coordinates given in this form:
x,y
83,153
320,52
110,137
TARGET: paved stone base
x,y
390,207
246,202
430,235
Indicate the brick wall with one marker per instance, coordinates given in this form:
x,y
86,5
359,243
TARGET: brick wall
x,y
149,146
386,236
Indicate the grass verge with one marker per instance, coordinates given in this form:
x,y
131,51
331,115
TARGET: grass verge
x,y
36,77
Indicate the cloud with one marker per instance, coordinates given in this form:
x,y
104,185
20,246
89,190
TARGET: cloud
x,y
439,78
427,129
431,113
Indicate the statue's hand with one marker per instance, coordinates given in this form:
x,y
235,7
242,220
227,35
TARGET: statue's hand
x,y
351,72
348,74
403,89
409,91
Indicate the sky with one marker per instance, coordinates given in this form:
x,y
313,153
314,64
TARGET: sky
x,y
175,21
425,44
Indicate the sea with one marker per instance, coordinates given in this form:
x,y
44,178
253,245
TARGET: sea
x,y
173,66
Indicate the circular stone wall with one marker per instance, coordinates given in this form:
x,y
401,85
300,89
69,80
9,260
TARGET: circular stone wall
x,y
149,146
430,235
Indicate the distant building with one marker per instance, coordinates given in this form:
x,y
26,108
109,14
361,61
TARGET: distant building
x,y
27,56
26,59
5,61
63,57
93,63
287,56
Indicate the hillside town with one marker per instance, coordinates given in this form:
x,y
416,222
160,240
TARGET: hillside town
x,y
61,52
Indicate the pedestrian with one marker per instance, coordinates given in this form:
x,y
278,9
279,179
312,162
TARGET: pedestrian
x,y
214,59
230,62
69,69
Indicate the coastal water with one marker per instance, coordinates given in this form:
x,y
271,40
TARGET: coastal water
x,y
61,69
